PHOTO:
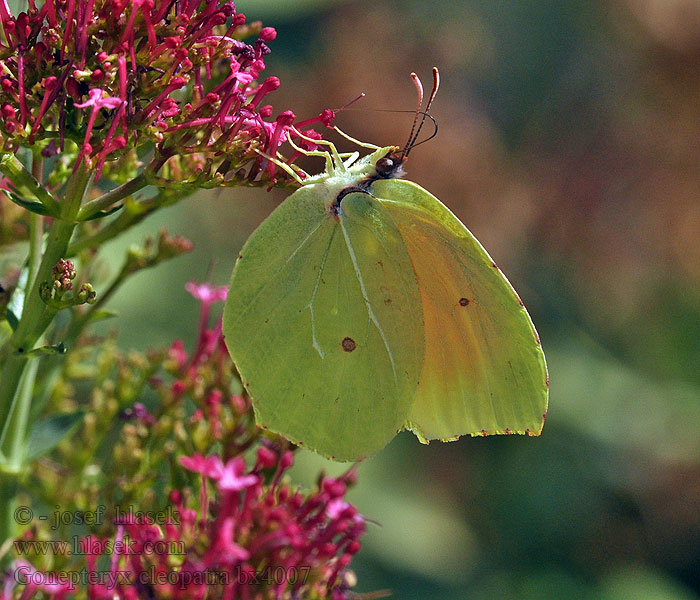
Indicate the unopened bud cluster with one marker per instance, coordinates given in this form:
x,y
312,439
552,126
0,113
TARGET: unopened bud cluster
x,y
53,293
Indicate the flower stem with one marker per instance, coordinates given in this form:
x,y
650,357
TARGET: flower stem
x,y
132,214
34,316
19,373
14,431
107,200
36,227
8,493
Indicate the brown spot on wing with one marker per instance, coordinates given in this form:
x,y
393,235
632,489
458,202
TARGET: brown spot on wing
x,y
463,301
348,344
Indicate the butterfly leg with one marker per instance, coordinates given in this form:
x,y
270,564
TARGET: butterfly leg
x,y
325,155
351,158
285,167
333,151
354,141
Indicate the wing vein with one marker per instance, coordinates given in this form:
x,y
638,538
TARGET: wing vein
x,y
251,302
368,306
310,305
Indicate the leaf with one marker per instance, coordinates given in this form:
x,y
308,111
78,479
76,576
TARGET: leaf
x,y
12,319
35,207
101,315
51,350
6,330
101,213
16,304
46,434
27,186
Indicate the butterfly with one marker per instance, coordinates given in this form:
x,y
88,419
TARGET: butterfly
x,y
362,306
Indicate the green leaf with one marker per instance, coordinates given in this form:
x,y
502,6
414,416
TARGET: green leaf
x,y
6,330
16,304
48,433
101,213
12,319
35,207
27,186
101,315
51,350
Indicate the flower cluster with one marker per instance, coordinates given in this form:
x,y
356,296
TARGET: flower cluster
x,y
109,111
254,537
112,75
220,416
244,532
63,275
53,292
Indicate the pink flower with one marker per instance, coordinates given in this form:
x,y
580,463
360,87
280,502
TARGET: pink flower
x,y
231,477
248,526
208,466
50,583
223,549
207,294
208,339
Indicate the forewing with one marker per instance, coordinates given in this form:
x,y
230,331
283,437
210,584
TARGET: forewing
x,y
324,322
484,370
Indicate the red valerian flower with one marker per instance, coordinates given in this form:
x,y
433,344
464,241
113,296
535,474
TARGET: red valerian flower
x,y
112,76
256,538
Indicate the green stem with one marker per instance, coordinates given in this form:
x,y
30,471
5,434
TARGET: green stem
x,y
36,237
19,373
107,200
8,493
131,215
36,229
34,317
12,440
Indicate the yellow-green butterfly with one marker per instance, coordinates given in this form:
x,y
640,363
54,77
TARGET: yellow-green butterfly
x,y
362,306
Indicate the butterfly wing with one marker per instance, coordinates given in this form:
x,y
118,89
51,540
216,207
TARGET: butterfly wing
x,y
323,320
484,369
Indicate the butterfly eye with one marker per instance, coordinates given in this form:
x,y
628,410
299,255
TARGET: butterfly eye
x,y
384,166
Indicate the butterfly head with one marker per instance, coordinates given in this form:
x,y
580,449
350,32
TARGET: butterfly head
x,y
390,166
390,161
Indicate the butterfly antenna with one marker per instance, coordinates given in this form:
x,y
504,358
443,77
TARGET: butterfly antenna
x,y
426,113
419,89
432,135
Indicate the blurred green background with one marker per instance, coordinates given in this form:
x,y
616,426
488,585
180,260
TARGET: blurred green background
x,y
569,144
